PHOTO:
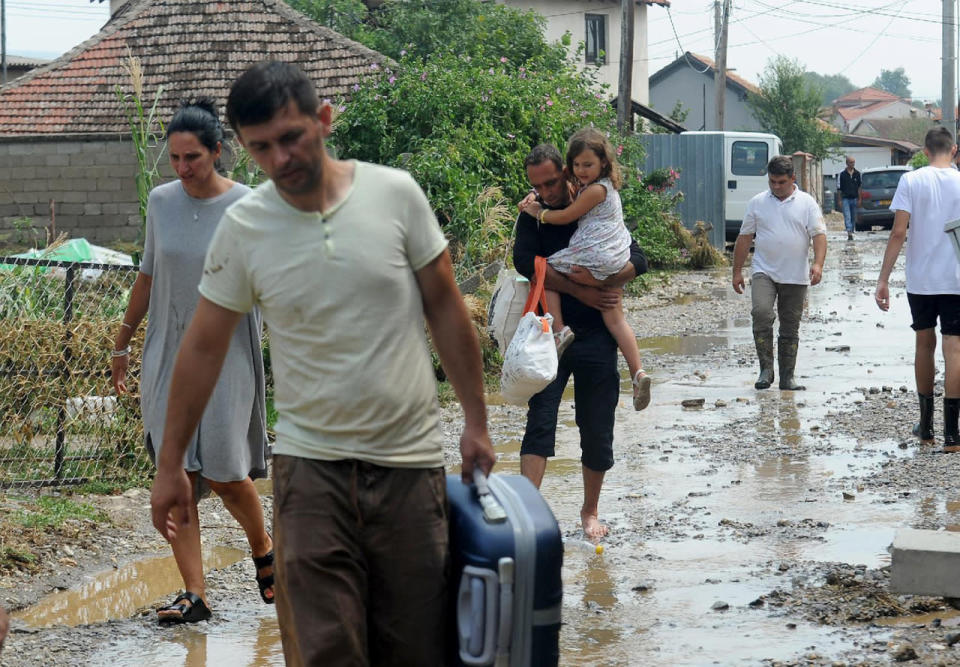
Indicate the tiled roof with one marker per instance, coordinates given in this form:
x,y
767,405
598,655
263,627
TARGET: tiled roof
x,y
706,66
190,48
23,61
865,96
851,113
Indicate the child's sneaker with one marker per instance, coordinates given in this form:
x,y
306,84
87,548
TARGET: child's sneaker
x,y
641,390
563,338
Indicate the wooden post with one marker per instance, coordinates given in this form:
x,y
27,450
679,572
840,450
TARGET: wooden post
x,y
625,96
720,76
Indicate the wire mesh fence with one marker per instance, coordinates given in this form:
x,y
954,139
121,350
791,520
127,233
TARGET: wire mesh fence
x,y
60,420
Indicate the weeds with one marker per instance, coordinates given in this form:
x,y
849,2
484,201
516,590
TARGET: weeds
x,y
146,131
53,511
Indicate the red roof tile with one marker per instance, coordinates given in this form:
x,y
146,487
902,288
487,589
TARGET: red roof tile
x,y
865,96
189,48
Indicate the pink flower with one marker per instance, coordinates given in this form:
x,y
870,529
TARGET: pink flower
x,y
650,188
423,76
356,87
619,150
403,52
392,80
511,136
549,103
374,66
490,71
503,59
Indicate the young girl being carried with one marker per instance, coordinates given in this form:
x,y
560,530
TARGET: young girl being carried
x,y
601,243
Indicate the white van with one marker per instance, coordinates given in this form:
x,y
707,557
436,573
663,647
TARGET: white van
x,y
719,173
746,155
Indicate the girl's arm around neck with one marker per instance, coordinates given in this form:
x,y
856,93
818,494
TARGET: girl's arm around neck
x,y
592,195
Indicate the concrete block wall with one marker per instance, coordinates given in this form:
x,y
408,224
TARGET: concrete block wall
x,y
90,179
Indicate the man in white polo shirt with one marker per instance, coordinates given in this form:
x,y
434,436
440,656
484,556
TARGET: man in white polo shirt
x,y
346,261
784,220
927,199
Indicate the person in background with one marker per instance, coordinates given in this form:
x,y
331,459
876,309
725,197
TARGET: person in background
x,y
228,448
850,183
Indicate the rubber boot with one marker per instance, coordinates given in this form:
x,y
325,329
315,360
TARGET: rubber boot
x,y
924,429
951,413
765,355
787,358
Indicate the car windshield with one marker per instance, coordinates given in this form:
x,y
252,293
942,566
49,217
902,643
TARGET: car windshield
x,y
881,179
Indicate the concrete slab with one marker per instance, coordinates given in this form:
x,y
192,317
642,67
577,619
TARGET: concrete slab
x,y
926,562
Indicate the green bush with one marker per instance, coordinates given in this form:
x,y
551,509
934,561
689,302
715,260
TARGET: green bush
x,y
461,125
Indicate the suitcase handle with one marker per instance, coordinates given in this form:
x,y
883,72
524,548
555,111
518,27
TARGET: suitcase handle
x,y
492,510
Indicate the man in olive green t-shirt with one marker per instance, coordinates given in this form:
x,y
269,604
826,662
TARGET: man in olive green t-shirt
x,y
345,260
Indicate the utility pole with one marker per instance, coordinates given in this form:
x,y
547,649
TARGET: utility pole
x,y
949,87
625,98
722,21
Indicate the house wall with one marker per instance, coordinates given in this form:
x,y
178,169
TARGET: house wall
x,y
697,93
90,180
866,157
569,16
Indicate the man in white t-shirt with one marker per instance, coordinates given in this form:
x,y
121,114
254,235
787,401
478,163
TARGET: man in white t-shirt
x,y
784,220
927,199
346,261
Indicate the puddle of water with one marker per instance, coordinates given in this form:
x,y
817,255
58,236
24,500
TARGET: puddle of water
x,y
118,594
244,637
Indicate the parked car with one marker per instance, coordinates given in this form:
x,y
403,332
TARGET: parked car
x,y
876,189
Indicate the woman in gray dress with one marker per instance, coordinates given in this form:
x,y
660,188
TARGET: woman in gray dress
x,y
229,448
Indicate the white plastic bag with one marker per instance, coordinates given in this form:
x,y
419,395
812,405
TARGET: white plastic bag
x,y
530,363
506,306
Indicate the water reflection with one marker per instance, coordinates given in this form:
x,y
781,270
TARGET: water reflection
x,y
119,593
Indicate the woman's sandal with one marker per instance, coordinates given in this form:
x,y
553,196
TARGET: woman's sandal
x,y
265,581
641,390
195,611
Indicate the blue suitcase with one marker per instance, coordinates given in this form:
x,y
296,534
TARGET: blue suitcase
x,y
506,555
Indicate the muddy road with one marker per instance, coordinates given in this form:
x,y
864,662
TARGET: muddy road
x,y
751,530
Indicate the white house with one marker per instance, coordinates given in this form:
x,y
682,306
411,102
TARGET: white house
x,y
872,104
596,23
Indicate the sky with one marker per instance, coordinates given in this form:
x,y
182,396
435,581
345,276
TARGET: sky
x,y
856,39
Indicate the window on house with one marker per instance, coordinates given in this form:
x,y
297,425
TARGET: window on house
x,y
596,39
749,158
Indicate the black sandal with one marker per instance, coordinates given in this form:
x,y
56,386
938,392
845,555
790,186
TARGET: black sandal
x,y
265,581
195,611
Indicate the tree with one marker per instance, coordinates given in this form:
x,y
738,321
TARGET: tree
x,y
893,81
787,106
831,86
420,28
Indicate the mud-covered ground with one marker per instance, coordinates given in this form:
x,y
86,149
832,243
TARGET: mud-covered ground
x,y
751,530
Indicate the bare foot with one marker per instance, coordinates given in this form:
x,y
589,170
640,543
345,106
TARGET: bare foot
x,y
592,527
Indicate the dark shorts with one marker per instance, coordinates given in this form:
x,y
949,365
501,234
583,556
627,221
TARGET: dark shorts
x,y
361,563
926,308
592,360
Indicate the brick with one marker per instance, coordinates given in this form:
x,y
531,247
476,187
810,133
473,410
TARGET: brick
x,y
92,209
72,197
109,184
72,209
56,160
925,562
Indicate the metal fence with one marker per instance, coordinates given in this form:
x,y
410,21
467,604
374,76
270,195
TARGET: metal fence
x,y
700,161
60,420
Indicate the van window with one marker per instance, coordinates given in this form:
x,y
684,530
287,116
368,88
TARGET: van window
x,y
750,158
